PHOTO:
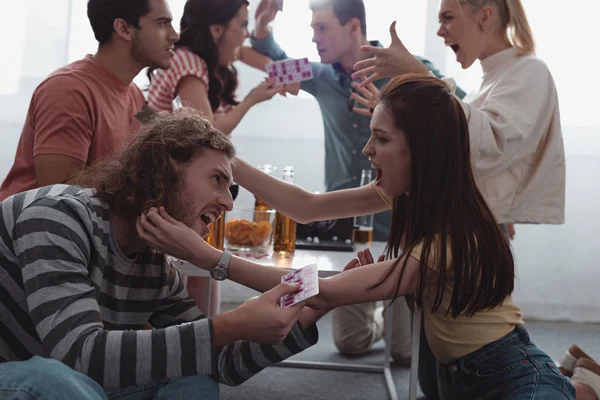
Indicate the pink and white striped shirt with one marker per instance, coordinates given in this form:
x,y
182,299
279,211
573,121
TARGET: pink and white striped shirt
x,y
163,87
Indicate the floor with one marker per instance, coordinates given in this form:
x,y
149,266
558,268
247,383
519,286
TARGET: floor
x,y
291,383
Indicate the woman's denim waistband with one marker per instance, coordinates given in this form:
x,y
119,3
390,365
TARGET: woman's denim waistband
x,y
518,334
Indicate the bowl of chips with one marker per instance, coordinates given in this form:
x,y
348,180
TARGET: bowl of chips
x,y
249,230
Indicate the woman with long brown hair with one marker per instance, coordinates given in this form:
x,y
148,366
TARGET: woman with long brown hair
x,y
514,118
446,252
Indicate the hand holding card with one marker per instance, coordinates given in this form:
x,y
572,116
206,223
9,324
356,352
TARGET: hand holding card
x,y
290,70
307,278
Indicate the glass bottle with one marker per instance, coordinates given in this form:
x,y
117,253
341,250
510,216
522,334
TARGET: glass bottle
x,y
284,237
260,205
216,235
363,225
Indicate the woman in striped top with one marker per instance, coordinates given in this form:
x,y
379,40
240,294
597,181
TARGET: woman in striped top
x,y
201,73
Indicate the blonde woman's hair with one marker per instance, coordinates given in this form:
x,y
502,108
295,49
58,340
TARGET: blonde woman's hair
x,y
513,19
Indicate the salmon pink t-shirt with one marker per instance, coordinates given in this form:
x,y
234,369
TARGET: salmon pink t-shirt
x,y
81,111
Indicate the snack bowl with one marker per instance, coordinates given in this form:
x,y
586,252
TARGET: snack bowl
x,y
248,230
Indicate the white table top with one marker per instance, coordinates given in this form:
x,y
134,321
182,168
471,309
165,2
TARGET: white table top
x,y
328,262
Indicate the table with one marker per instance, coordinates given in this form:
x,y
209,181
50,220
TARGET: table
x,y
331,263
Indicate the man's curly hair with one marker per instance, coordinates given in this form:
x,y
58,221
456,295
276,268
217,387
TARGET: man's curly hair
x,y
148,172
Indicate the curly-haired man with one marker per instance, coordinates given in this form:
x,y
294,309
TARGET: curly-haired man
x,y
78,284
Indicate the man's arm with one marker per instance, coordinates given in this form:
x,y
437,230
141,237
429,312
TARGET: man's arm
x,y
458,91
238,360
268,47
263,41
63,129
51,169
253,58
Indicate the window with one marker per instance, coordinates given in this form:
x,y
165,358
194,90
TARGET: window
x,y
560,34
566,38
14,28
34,39
295,34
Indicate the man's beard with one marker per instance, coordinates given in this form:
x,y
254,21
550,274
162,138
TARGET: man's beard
x,y
141,54
181,207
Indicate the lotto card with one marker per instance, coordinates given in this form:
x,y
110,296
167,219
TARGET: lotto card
x,y
307,278
290,70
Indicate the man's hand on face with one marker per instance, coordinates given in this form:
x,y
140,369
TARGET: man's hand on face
x,y
264,15
259,319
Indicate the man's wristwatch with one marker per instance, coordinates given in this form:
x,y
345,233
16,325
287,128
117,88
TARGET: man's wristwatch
x,y
219,271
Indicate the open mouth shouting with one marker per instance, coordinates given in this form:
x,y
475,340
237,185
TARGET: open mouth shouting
x,y
210,216
379,174
457,50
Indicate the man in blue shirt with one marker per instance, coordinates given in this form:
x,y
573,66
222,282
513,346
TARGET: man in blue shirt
x,y
339,31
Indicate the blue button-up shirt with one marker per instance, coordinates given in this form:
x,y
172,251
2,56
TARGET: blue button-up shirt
x,y
346,132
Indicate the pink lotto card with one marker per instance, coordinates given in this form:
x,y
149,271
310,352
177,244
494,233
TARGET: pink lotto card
x,y
307,278
291,70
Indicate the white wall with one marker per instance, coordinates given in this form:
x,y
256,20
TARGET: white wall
x,y
557,265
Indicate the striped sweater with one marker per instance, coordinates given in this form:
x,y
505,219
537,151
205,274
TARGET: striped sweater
x,y
68,292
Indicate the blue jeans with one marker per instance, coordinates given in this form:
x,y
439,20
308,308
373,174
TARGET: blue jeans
x,y
45,379
184,388
512,368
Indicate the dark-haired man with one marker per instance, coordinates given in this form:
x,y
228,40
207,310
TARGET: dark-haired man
x,y
84,110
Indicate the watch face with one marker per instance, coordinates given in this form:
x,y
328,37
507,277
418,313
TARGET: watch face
x,y
218,273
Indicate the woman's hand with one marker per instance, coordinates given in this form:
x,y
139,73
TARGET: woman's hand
x,y
364,257
292,88
310,316
369,98
387,63
264,91
163,233
510,231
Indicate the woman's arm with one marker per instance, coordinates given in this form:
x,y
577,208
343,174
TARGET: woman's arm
x,y
253,58
349,287
194,93
303,206
518,115
164,233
